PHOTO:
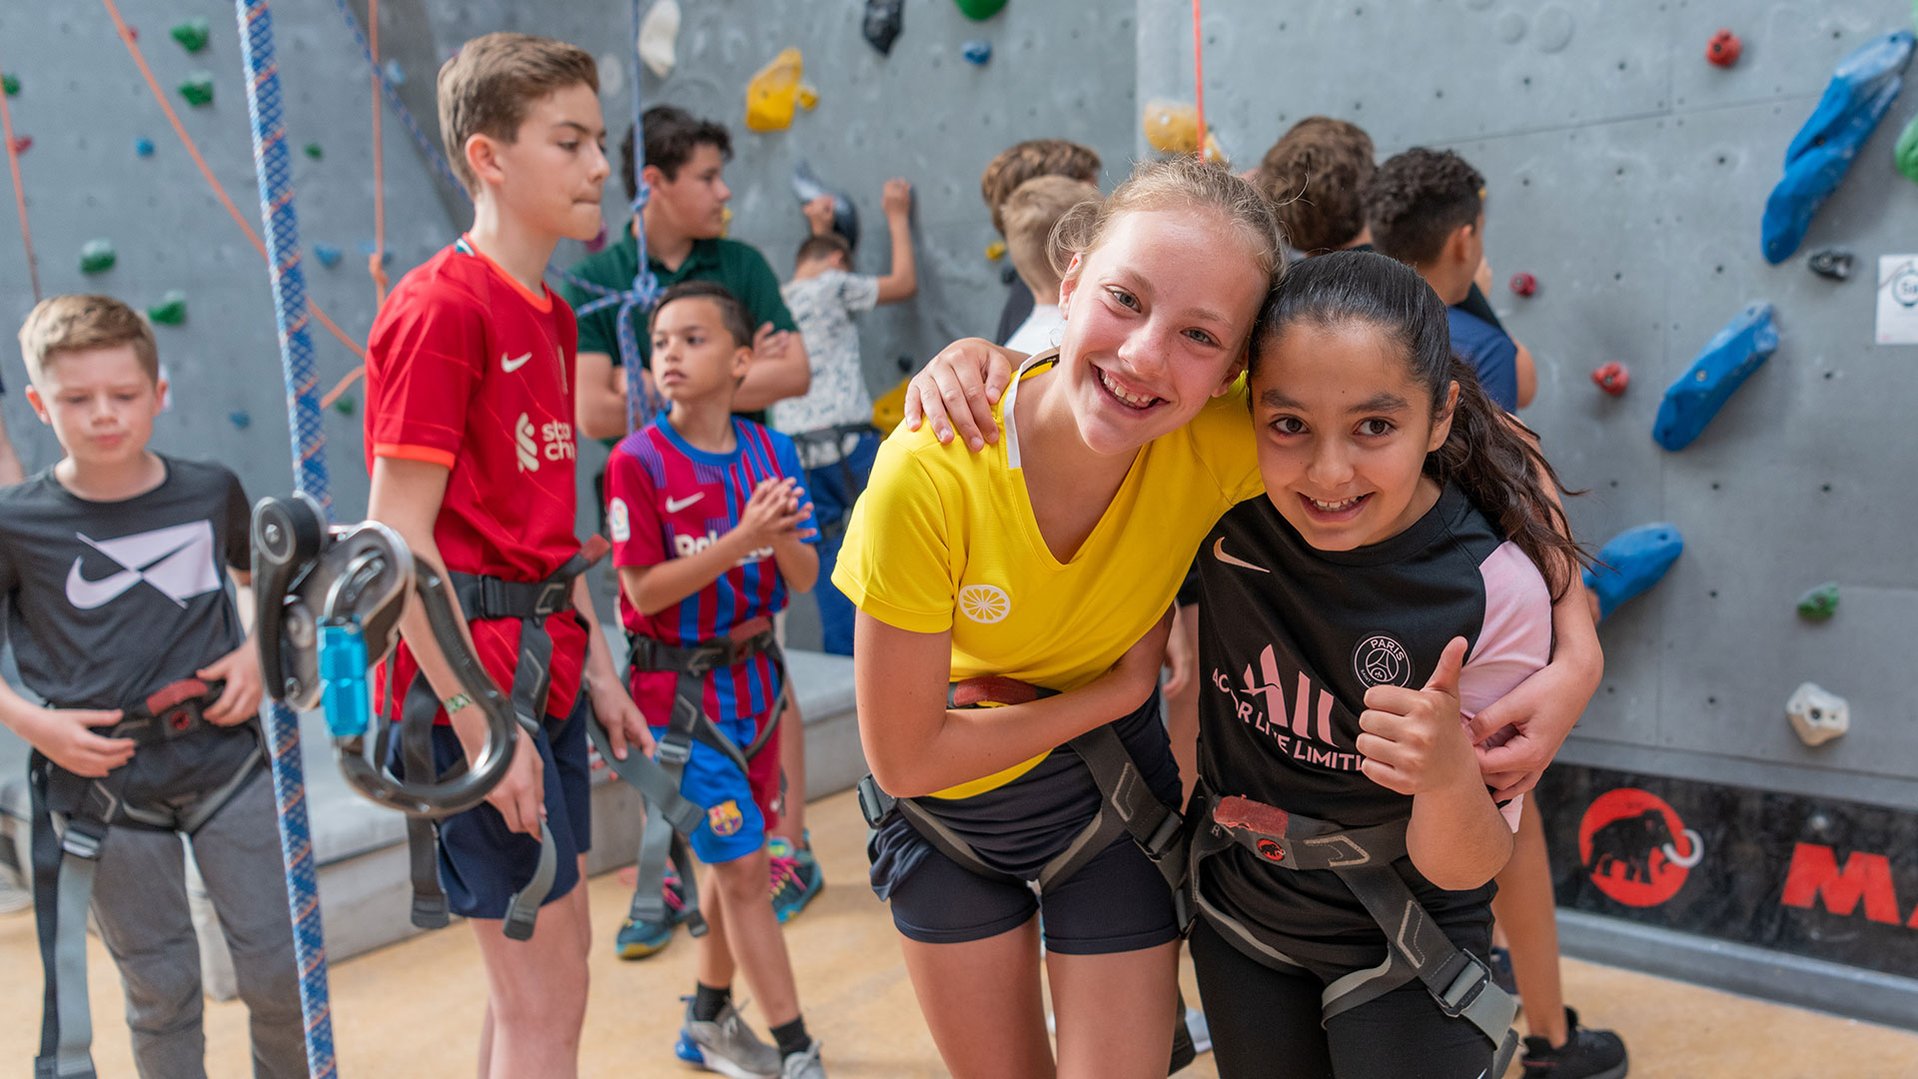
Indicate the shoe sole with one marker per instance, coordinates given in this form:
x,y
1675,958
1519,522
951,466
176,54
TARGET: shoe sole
x,y
787,914
719,1065
641,949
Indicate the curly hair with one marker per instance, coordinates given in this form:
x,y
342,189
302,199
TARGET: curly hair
x,y
1418,199
1028,160
1315,176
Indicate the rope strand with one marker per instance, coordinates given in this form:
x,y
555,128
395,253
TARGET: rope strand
x,y
19,196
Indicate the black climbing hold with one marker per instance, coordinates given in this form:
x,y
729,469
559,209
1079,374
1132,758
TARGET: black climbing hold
x,y
883,23
1831,262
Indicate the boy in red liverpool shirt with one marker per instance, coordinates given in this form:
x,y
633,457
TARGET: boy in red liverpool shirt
x,y
710,528
470,391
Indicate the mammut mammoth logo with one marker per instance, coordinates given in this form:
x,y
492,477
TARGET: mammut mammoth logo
x,y
1381,661
1630,843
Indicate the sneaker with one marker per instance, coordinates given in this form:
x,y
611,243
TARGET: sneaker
x,y
637,940
1502,976
796,879
1586,1054
728,1046
804,1065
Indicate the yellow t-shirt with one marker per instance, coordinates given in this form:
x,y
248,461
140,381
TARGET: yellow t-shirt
x,y
944,538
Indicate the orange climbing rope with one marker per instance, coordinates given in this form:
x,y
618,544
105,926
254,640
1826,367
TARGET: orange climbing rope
x,y
193,151
19,194
1198,74
376,263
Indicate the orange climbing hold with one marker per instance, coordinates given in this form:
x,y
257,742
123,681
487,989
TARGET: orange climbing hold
x,y
773,93
1172,127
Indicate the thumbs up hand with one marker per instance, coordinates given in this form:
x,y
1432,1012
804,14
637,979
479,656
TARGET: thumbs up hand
x,y
1411,739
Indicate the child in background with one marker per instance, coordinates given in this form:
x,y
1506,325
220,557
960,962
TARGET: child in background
x,y
1012,167
1030,214
710,527
1367,570
113,570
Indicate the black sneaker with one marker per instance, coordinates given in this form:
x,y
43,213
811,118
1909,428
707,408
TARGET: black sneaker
x,y
1586,1054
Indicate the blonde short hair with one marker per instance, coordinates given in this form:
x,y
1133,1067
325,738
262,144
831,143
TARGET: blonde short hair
x,y
486,88
1031,213
80,323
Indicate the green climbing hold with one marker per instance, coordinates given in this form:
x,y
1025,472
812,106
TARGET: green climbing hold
x,y
97,256
192,34
980,9
1819,604
314,151
11,84
171,310
345,406
198,89
1906,152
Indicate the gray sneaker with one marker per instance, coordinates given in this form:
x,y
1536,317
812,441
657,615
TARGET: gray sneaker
x,y
804,1065
728,1046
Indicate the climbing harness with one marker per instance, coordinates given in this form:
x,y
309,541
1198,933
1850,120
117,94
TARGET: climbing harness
x,y
831,446
1459,981
1127,805
72,815
670,817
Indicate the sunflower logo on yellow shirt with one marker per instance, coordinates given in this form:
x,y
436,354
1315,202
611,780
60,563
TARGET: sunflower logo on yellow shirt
x,y
985,603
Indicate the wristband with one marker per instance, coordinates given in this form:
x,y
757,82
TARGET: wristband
x,y
456,702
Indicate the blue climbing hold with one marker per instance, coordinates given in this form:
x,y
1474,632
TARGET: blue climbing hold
x,y
807,186
240,420
1632,562
977,52
395,74
1742,347
366,248
143,146
1860,91
328,255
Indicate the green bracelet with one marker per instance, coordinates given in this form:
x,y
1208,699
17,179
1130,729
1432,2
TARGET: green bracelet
x,y
456,702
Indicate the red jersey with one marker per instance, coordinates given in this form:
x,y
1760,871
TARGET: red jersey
x,y
467,369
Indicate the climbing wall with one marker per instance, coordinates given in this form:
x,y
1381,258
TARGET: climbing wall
x,y
1629,176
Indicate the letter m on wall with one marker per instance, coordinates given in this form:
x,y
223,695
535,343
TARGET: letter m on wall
x,y
1815,877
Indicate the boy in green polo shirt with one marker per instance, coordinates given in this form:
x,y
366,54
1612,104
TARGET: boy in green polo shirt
x,y
683,218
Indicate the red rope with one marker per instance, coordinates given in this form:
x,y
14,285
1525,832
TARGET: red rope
x,y
193,151
376,263
19,195
1198,73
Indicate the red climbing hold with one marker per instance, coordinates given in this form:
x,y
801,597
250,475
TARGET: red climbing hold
x,y
1524,284
1612,378
22,143
1724,48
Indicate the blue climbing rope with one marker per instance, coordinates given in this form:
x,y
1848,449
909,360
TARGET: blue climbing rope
x,y
273,165
641,406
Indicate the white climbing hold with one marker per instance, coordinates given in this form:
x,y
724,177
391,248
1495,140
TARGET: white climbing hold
x,y
659,37
1818,715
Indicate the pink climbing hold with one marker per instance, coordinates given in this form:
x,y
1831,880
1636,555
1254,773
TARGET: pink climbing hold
x,y
1612,377
1524,284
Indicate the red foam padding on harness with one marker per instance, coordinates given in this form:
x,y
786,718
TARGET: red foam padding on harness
x,y
594,548
1238,811
176,693
992,689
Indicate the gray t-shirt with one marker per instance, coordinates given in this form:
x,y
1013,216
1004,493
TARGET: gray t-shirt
x,y
108,601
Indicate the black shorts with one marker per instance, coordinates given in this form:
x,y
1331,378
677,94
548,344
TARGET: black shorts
x,y
1117,903
482,862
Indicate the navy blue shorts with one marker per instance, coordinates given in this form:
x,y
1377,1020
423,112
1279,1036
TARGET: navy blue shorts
x,y
482,862
1117,903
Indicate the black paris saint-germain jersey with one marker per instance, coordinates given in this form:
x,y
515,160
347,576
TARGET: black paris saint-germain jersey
x,y
1290,639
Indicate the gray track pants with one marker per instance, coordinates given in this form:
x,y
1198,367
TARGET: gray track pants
x,y
140,902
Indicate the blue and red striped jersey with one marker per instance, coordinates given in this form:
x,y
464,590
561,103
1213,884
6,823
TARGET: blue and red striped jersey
x,y
668,499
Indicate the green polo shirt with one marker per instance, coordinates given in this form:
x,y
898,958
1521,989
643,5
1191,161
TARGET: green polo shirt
x,y
740,267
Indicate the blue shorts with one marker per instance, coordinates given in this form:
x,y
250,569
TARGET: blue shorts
x,y
739,807
482,862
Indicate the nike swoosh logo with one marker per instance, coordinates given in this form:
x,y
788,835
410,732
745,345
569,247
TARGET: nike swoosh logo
x,y
87,595
674,505
1218,552
514,364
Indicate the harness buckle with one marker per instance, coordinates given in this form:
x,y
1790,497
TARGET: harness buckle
x,y
552,597
874,804
1165,838
1459,997
81,843
672,752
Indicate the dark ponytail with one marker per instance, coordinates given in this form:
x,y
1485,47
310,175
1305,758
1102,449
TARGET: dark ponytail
x,y
1491,456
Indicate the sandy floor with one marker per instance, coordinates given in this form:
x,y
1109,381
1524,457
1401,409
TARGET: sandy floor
x,y
413,1009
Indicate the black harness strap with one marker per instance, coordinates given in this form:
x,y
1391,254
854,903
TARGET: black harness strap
x,y
1459,981
826,447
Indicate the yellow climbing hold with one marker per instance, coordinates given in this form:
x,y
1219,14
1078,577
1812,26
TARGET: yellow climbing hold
x,y
1172,127
772,94
808,96
996,250
725,221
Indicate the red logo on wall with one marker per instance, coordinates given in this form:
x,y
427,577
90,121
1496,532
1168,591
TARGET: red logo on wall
x,y
1636,848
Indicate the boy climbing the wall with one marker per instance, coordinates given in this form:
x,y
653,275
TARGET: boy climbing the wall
x,y
113,571
710,527
469,432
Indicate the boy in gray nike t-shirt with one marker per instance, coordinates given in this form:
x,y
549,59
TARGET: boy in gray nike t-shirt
x,y
113,576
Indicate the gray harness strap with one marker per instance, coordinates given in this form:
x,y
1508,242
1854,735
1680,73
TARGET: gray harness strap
x,y
482,597
827,447
1459,981
670,818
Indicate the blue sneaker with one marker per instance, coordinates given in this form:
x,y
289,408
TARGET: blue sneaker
x,y
796,879
637,940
